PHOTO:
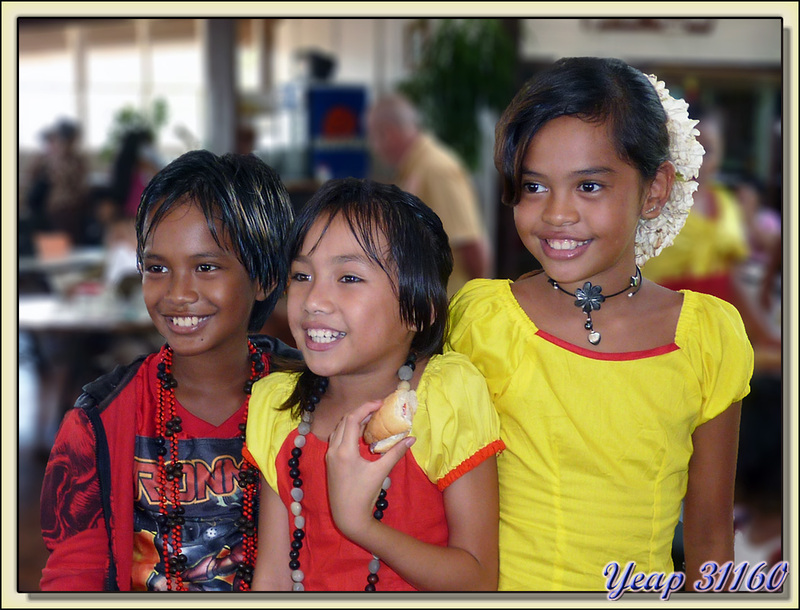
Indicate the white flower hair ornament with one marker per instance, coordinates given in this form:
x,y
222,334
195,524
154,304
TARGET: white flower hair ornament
x,y
686,154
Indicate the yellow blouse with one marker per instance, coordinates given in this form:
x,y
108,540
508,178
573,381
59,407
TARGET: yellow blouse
x,y
597,445
455,425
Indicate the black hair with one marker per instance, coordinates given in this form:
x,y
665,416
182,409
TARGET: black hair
x,y
593,89
126,161
418,263
243,194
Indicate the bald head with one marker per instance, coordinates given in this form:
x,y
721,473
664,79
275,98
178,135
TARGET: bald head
x,y
395,110
393,124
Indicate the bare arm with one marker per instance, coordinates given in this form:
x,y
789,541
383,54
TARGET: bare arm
x,y
468,562
272,570
708,504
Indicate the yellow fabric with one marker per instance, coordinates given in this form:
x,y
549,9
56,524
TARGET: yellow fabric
x,y
705,246
597,446
454,420
434,174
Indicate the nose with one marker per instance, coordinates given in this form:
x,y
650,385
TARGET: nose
x,y
182,288
559,210
317,297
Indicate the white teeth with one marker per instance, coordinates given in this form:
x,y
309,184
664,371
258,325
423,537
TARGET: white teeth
x,y
565,244
188,321
323,335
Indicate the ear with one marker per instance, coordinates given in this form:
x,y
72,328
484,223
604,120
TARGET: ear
x,y
261,293
412,326
659,191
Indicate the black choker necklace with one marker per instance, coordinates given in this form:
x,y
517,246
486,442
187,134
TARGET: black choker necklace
x,y
590,298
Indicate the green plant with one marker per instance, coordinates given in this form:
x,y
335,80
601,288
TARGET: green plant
x,y
129,118
465,65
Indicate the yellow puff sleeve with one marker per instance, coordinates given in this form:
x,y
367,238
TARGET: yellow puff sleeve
x,y
456,426
720,352
267,426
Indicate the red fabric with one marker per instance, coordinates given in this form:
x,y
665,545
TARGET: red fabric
x,y
716,285
470,463
73,528
138,184
72,524
209,493
329,561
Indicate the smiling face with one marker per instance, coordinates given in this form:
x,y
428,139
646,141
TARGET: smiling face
x,y
198,294
343,309
580,204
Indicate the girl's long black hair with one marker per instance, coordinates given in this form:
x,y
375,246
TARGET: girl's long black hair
x,y
418,263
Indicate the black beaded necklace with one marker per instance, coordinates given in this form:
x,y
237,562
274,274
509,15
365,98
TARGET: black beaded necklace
x,y
591,297
169,475
381,504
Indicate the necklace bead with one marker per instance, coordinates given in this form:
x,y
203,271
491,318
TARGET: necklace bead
x,y
170,474
405,373
589,298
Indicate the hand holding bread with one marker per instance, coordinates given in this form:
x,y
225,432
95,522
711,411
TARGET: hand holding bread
x,y
391,423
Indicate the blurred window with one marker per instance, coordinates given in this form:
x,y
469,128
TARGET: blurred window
x,y
46,93
118,71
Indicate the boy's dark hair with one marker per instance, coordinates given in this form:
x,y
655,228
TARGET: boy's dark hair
x,y
249,200
419,261
593,89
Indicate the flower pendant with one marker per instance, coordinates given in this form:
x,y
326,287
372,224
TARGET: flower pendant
x,y
589,297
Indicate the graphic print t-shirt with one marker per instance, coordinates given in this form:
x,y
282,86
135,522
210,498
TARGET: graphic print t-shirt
x,y
209,493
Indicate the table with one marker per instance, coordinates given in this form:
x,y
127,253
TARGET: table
x,y
84,313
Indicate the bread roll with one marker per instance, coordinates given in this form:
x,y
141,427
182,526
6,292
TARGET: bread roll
x,y
392,422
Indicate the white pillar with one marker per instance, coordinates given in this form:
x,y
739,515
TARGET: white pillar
x,y
219,56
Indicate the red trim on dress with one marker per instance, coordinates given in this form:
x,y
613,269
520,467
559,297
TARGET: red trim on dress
x,y
616,356
471,462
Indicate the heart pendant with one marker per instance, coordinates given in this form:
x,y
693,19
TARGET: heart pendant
x,y
594,337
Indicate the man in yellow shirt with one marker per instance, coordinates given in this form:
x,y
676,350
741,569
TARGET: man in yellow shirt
x,y
432,172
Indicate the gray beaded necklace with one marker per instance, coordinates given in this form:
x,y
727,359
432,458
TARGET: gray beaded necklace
x,y
405,373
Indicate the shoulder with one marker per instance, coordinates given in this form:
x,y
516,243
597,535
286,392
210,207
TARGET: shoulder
x,y
710,317
273,389
268,425
480,292
451,384
102,391
267,399
713,335
275,347
430,155
480,305
448,367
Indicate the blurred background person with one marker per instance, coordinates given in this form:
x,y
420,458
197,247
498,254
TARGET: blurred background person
x,y
135,164
710,253
714,239
432,172
58,196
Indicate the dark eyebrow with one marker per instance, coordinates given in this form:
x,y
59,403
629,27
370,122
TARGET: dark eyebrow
x,y
341,259
214,255
589,171
362,259
592,171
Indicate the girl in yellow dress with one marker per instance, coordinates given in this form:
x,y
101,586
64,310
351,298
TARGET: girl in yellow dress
x,y
611,416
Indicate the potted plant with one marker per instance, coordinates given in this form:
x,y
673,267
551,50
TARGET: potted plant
x,y
465,65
